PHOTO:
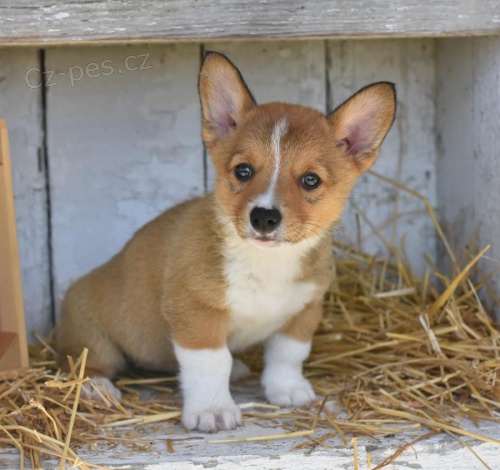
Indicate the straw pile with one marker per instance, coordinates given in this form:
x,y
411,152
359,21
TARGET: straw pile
x,y
394,354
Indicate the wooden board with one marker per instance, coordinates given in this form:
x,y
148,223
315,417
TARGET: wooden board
x,y
485,125
54,22
123,146
13,359
409,151
22,107
455,121
469,165
13,346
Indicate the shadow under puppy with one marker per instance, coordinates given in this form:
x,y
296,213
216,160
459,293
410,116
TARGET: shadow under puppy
x,y
245,264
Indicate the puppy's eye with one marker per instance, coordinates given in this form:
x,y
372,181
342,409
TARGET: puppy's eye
x,y
243,171
310,181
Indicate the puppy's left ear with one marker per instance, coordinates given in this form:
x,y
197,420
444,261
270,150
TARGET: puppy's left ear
x,y
224,96
361,123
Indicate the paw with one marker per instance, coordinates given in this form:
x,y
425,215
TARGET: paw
x,y
239,370
212,419
296,393
98,387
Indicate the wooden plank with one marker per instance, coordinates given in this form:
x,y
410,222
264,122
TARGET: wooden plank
x,y
10,357
124,145
6,341
62,22
292,72
485,125
22,106
14,350
409,151
469,168
455,134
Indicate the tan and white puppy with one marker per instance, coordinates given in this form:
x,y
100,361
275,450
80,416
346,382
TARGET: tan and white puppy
x,y
248,263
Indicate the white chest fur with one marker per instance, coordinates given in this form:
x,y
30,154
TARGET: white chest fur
x,y
264,289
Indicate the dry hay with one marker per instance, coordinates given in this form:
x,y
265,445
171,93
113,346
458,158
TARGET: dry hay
x,y
394,354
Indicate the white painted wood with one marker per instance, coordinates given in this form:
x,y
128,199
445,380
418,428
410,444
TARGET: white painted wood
x,y
455,133
486,125
195,451
289,71
468,123
47,21
123,147
21,106
409,151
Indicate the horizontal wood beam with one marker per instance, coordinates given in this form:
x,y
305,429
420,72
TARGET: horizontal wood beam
x,y
51,21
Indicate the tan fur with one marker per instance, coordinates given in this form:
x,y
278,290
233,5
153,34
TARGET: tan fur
x,y
132,305
168,282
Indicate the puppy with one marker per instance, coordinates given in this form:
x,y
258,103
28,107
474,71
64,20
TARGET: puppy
x,y
248,263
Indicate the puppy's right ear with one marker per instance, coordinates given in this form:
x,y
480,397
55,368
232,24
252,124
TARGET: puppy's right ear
x,y
224,97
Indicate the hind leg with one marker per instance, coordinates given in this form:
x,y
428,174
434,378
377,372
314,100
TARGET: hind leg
x,y
79,329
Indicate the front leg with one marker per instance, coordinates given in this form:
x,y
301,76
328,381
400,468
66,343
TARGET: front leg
x,y
204,375
285,351
199,337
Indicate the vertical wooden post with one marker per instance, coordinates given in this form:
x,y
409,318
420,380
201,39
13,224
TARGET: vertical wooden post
x,y
13,343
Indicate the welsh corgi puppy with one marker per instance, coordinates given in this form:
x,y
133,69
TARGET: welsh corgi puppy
x,y
245,264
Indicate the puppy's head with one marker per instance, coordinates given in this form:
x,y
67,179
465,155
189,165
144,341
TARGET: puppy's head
x,y
285,171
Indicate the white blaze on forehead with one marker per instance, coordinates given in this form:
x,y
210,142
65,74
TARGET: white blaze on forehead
x,y
280,128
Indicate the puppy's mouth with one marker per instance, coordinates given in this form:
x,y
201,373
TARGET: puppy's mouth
x,y
264,242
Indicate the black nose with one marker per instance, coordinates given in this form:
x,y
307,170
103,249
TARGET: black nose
x,y
265,220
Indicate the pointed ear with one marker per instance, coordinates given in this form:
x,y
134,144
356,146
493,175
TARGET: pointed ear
x,y
361,123
224,97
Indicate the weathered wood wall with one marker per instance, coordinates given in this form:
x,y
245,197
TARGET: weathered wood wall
x,y
409,151
122,148
469,144
123,145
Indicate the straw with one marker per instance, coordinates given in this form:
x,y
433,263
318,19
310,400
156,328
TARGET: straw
x,y
75,407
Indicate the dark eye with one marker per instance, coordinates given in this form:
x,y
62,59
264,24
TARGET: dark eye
x,y
310,181
243,171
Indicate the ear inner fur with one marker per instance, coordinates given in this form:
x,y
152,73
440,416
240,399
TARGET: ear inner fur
x,y
224,97
361,123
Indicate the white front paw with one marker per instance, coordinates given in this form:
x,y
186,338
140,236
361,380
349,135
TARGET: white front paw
x,y
294,393
208,405
212,419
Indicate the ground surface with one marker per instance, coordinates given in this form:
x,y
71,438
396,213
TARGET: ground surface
x,y
149,448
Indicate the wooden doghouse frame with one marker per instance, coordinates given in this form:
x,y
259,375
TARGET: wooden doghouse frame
x,y
13,345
